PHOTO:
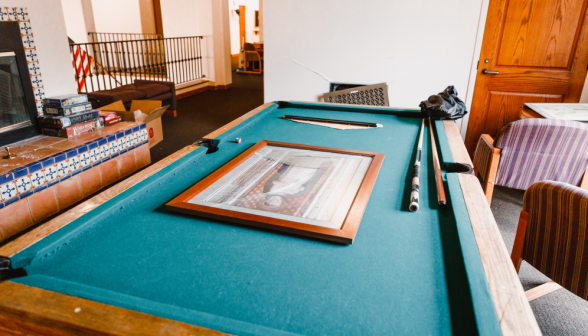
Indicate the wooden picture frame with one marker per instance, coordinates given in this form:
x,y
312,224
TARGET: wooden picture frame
x,y
364,177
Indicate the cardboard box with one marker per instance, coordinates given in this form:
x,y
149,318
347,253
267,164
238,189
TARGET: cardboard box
x,y
152,110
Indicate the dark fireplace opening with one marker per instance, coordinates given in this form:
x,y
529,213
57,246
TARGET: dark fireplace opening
x,y
13,105
18,111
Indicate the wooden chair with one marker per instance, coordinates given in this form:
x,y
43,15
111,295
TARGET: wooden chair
x,y
252,56
532,150
552,236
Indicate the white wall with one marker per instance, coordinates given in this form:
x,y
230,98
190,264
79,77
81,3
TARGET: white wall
x,y
127,18
234,26
186,17
191,18
51,42
117,16
74,20
584,97
418,47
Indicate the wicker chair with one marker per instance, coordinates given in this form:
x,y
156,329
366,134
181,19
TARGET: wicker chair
x,y
532,150
552,236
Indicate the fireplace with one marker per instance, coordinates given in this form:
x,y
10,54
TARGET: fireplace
x,y
18,110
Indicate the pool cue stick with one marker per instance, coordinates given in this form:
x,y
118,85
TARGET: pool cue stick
x,y
414,194
438,177
331,121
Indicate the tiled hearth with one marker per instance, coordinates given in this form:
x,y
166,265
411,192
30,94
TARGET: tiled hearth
x,y
49,174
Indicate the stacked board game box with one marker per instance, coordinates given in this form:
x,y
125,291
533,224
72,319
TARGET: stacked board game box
x,y
60,121
67,105
66,100
67,116
110,117
68,110
74,130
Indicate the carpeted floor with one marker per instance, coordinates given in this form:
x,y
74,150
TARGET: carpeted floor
x,y
204,112
558,313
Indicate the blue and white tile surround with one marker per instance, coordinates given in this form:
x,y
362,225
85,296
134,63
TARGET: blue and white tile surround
x,y
34,177
21,15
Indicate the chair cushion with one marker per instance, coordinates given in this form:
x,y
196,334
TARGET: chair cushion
x,y
162,97
152,90
534,150
126,94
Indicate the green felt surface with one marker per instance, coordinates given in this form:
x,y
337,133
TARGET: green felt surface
x,y
406,273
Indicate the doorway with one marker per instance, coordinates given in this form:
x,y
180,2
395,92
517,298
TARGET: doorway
x,y
246,26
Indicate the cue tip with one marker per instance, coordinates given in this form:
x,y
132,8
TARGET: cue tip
x,y
442,204
413,207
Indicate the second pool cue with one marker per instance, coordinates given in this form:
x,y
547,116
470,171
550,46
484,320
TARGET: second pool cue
x,y
414,194
438,177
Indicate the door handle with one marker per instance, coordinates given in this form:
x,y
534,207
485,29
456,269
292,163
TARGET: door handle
x,y
488,72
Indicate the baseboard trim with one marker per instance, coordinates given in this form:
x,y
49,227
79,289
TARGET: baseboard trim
x,y
223,87
170,113
202,89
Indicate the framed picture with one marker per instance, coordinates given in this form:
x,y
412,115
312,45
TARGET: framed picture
x,y
312,191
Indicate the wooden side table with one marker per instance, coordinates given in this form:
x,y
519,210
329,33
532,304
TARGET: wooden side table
x,y
526,113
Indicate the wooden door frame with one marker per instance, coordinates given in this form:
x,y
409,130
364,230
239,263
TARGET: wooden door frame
x,y
158,19
242,27
469,95
578,69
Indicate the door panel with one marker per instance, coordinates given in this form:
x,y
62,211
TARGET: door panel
x,y
539,33
530,81
535,51
505,106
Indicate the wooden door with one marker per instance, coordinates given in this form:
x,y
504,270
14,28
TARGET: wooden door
x,y
242,38
533,51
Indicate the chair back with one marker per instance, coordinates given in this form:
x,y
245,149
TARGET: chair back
x,y
248,46
534,150
556,240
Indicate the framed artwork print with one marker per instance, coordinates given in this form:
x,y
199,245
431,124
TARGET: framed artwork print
x,y
306,190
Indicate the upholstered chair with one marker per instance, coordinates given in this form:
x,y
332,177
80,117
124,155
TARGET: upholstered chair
x,y
532,150
552,236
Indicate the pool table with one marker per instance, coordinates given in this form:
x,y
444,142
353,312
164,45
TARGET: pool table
x,y
120,263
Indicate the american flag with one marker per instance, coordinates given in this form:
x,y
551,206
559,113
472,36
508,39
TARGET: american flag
x,y
82,62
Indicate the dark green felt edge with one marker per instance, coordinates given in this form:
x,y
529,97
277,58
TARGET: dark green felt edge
x,y
446,157
484,310
486,318
195,317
